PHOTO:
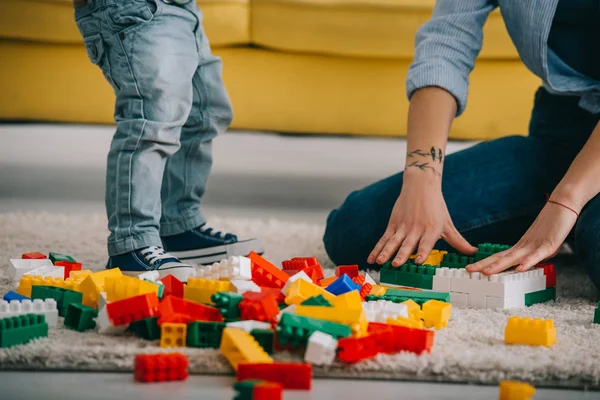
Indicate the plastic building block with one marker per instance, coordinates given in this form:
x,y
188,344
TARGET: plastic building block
x,y
321,349
316,301
378,290
355,318
355,349
533,332
404,339
204,334
294,278
133,309
248,325
414,310
452,260
123,287
381,310
399,296
10,296
27,281
327,281
342,285
146,328
175,309
295,330
434,259
513,390
266,274
81,274
258,306
80,318
173,286
173,335
238,345
350,270
160,367
265,338
55,257
301,290
93,284
69,266
348,300
17,268
52,271
407,322
258,390
294,265
234,267
285,310
275,292
22,329
409,274
201,290
550,273
290,375
241,287
541,296
228,305
33,256
47,308
63,297
436,314
486,249
310,265
104,326
151,276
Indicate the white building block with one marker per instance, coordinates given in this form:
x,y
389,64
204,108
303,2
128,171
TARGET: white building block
x,y
152,276
47,308
249,325
505,302
369,280
440,283
102,300
459,299
294,278
289,309
18,267
477,300
381,310
104,327
236,267
52,271
242,287
321,349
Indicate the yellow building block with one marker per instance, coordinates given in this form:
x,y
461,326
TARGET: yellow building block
x,y
434,258
238,345
201,290
122,287
27,281
173,335
533,332
80,274
513,390
406,322
327,281
414,310
355,318
301,290
348,300
378,290
93,284
436,314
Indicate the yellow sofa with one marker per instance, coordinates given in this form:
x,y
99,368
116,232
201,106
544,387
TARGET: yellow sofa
x,y
302,66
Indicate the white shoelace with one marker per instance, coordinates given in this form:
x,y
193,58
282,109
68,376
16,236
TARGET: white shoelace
x,y
153,254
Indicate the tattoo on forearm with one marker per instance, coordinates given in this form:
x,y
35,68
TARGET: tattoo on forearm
x,y
436,155
424,167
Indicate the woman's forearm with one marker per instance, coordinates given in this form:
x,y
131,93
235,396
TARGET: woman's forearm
x,y
431,113
581,183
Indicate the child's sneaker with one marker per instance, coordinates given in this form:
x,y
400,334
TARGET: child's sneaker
x,y
151,259
204,246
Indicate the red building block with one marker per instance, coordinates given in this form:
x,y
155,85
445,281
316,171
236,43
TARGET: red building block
x,y
277,293
550,273
350,270
290,375
400,338
294,265
181,311
34,256
258,306
268,391
310,265
266,274
173,286
133,309
352,350
160,367
69,266
365,290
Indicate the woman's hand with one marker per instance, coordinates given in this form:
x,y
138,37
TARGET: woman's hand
x,y
541,241
419,218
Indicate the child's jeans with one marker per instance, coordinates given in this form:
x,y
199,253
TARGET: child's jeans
x,y
170,104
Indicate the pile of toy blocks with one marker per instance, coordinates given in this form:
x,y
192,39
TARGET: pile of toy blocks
x,y
444,272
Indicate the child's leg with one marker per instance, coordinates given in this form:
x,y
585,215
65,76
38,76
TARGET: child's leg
x,y
147,51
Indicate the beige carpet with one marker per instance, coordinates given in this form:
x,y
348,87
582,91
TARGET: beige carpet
x,y
471,349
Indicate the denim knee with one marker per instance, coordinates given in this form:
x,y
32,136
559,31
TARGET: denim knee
x,y
587,240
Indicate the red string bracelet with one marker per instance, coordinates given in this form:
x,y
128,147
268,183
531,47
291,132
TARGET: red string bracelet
x,y
560,204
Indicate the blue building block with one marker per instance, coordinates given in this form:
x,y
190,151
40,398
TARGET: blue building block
x,y
10,296
342,285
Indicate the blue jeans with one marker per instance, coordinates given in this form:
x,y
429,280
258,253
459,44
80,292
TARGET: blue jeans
x,y
170,104
493,190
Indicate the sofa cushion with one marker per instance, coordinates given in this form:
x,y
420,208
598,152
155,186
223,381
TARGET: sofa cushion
x,y
226,21
357,28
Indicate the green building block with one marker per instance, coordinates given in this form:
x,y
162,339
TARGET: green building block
x,y
453,260
56,257
296,329
147,328
204,334
22,329
265,338
597,314
161,287
540,296
63,297
228,304
245,389
398,296
487,249
80,318
316,301
409,274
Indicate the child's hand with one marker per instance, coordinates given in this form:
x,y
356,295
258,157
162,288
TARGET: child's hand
x,y
419,219
541,241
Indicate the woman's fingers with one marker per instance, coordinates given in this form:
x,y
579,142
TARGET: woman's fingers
x,y
457,241
408,246
379,246
390,248
425,246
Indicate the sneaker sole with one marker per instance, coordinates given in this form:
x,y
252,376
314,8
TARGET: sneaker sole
x,y
181,273
217,253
